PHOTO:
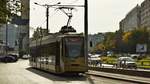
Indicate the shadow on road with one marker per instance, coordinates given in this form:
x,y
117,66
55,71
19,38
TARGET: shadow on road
x,y
58,77
90,80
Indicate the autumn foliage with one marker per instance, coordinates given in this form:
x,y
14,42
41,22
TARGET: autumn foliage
x,y
125,41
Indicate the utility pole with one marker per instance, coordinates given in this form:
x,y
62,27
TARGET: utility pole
x,y
47,13
47,19
55,5
86,27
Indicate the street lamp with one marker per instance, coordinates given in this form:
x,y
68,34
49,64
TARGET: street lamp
x,y
47,13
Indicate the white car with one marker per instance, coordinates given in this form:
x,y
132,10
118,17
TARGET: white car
x,y
135,55
126,62
26,56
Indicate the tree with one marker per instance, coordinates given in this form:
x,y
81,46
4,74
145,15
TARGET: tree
x,y
118,42
130,39
99,47
109,41
39,32
3,11
8,8
36,34
126,37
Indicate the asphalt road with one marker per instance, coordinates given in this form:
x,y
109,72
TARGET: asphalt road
x,y
21,73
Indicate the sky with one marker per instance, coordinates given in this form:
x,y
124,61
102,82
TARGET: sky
x,y
104,15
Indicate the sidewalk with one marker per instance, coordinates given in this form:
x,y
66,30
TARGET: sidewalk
x,y
135,79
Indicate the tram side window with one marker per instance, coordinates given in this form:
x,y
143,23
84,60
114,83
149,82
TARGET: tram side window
x,y
51,52
45,53
57,53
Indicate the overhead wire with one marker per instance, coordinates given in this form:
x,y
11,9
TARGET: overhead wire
x,y
74,1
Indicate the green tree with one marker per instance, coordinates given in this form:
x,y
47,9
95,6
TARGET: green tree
x,y
109,41
130,39
8,8
36,34
99,47
39,32
3,11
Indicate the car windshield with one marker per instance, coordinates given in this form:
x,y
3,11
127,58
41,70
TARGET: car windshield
x,y
129,59
126,59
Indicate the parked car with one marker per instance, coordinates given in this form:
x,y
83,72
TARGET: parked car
x,y
8,58
1,58
26,56
95,55
135,55
126,62
15,56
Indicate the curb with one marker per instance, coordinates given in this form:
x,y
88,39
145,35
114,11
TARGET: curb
x,y
123,71
139,82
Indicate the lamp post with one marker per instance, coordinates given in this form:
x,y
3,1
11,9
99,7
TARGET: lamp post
x,y
47,13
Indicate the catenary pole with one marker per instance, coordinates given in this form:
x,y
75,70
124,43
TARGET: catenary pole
x,y
86,27
47,18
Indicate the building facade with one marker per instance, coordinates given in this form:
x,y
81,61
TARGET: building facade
x,y
24,32
132,20
93,40
138,17
12,35
145,14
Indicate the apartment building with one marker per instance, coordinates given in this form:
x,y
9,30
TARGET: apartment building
x,y
138,17
131,20
145,14
12,35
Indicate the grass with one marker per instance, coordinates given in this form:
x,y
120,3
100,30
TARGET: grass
x,y
109,60
145,67
144,63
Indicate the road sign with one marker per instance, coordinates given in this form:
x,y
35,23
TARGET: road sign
x,y
141,48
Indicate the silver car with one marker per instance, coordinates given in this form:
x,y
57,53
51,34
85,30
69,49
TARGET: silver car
x,y
126,62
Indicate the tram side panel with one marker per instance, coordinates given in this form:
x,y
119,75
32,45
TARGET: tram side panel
x,y
35,53
46,57
60,56
50,56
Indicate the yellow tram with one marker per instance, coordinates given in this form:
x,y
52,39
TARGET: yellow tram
x,y
59,53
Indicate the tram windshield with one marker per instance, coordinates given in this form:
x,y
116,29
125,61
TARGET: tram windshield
x,y
74,47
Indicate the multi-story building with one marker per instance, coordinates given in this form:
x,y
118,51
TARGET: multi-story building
x,y
145,14
24,33
12,35
2,48
132,20
94,39
138,17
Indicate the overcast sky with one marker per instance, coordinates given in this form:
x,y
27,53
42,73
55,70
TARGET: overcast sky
x,y
104,15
